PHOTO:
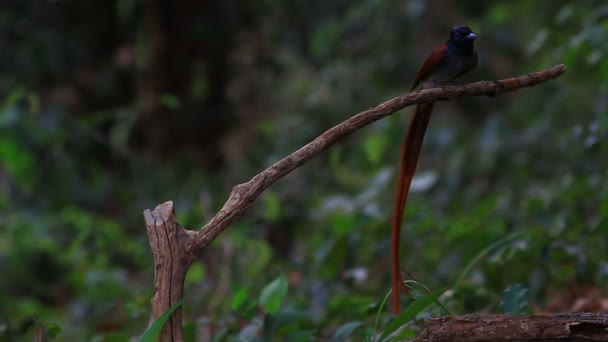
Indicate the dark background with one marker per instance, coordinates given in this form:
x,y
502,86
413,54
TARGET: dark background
x,y
111,107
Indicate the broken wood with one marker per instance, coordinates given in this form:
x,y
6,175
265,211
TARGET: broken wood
x,y
170,245
502,328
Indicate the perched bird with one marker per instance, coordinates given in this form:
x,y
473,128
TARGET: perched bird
x,y
448,62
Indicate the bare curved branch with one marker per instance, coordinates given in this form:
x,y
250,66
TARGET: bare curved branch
x,y
243,195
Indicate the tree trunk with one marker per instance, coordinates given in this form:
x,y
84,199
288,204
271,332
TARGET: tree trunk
x,y
170,245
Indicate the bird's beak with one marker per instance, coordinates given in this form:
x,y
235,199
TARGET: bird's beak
x,y
471,36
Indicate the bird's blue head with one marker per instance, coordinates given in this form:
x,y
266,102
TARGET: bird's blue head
x,y
461,40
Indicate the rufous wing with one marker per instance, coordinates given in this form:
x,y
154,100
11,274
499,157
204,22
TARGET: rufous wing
x,y
436,58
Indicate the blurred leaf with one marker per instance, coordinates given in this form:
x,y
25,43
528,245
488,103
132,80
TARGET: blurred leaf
x,y
500,13
273,294
325,37
346,330
239,298
272,206
16,95
423,181
267,127
195,274
331,256
52,330
170,101
17,160
119,133
251,331
564,14
483,253
258,254
33,101
342,222
538,42
154,330
200,84
191,328
410,312
604,207
374,147
514,300
287,323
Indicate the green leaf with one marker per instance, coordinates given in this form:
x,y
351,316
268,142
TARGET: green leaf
x,y
263,256
342,222
500,14
267,127
33,101
287,323
331,256
272,206
346,330
410,313
195,274
324,38
154,330
17,160
52,330
603,207
171,101
374,146
239,298
515,299
200,85
272,295
16,95
483,254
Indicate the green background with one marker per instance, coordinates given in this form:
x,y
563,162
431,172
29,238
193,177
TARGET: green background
x,y
108,108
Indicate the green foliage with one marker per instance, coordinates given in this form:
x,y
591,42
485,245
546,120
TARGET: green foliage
x,y
272,204
16,160
273,295
196,274
244,304
413,309
104,114
514,300
52,330
483,253
374,146
154,330
346,330
170,101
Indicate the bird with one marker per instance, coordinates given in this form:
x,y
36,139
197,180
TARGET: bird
x,y
446,63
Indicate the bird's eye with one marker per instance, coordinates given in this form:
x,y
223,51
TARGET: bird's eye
x,y
457,35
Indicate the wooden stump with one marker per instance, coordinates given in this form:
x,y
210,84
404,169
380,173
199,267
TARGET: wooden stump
x,y
172,252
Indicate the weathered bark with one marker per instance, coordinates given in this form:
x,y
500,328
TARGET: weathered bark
x,y
174,248
499,328
170,245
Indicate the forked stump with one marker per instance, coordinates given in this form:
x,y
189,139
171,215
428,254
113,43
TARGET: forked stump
x,y
171,248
